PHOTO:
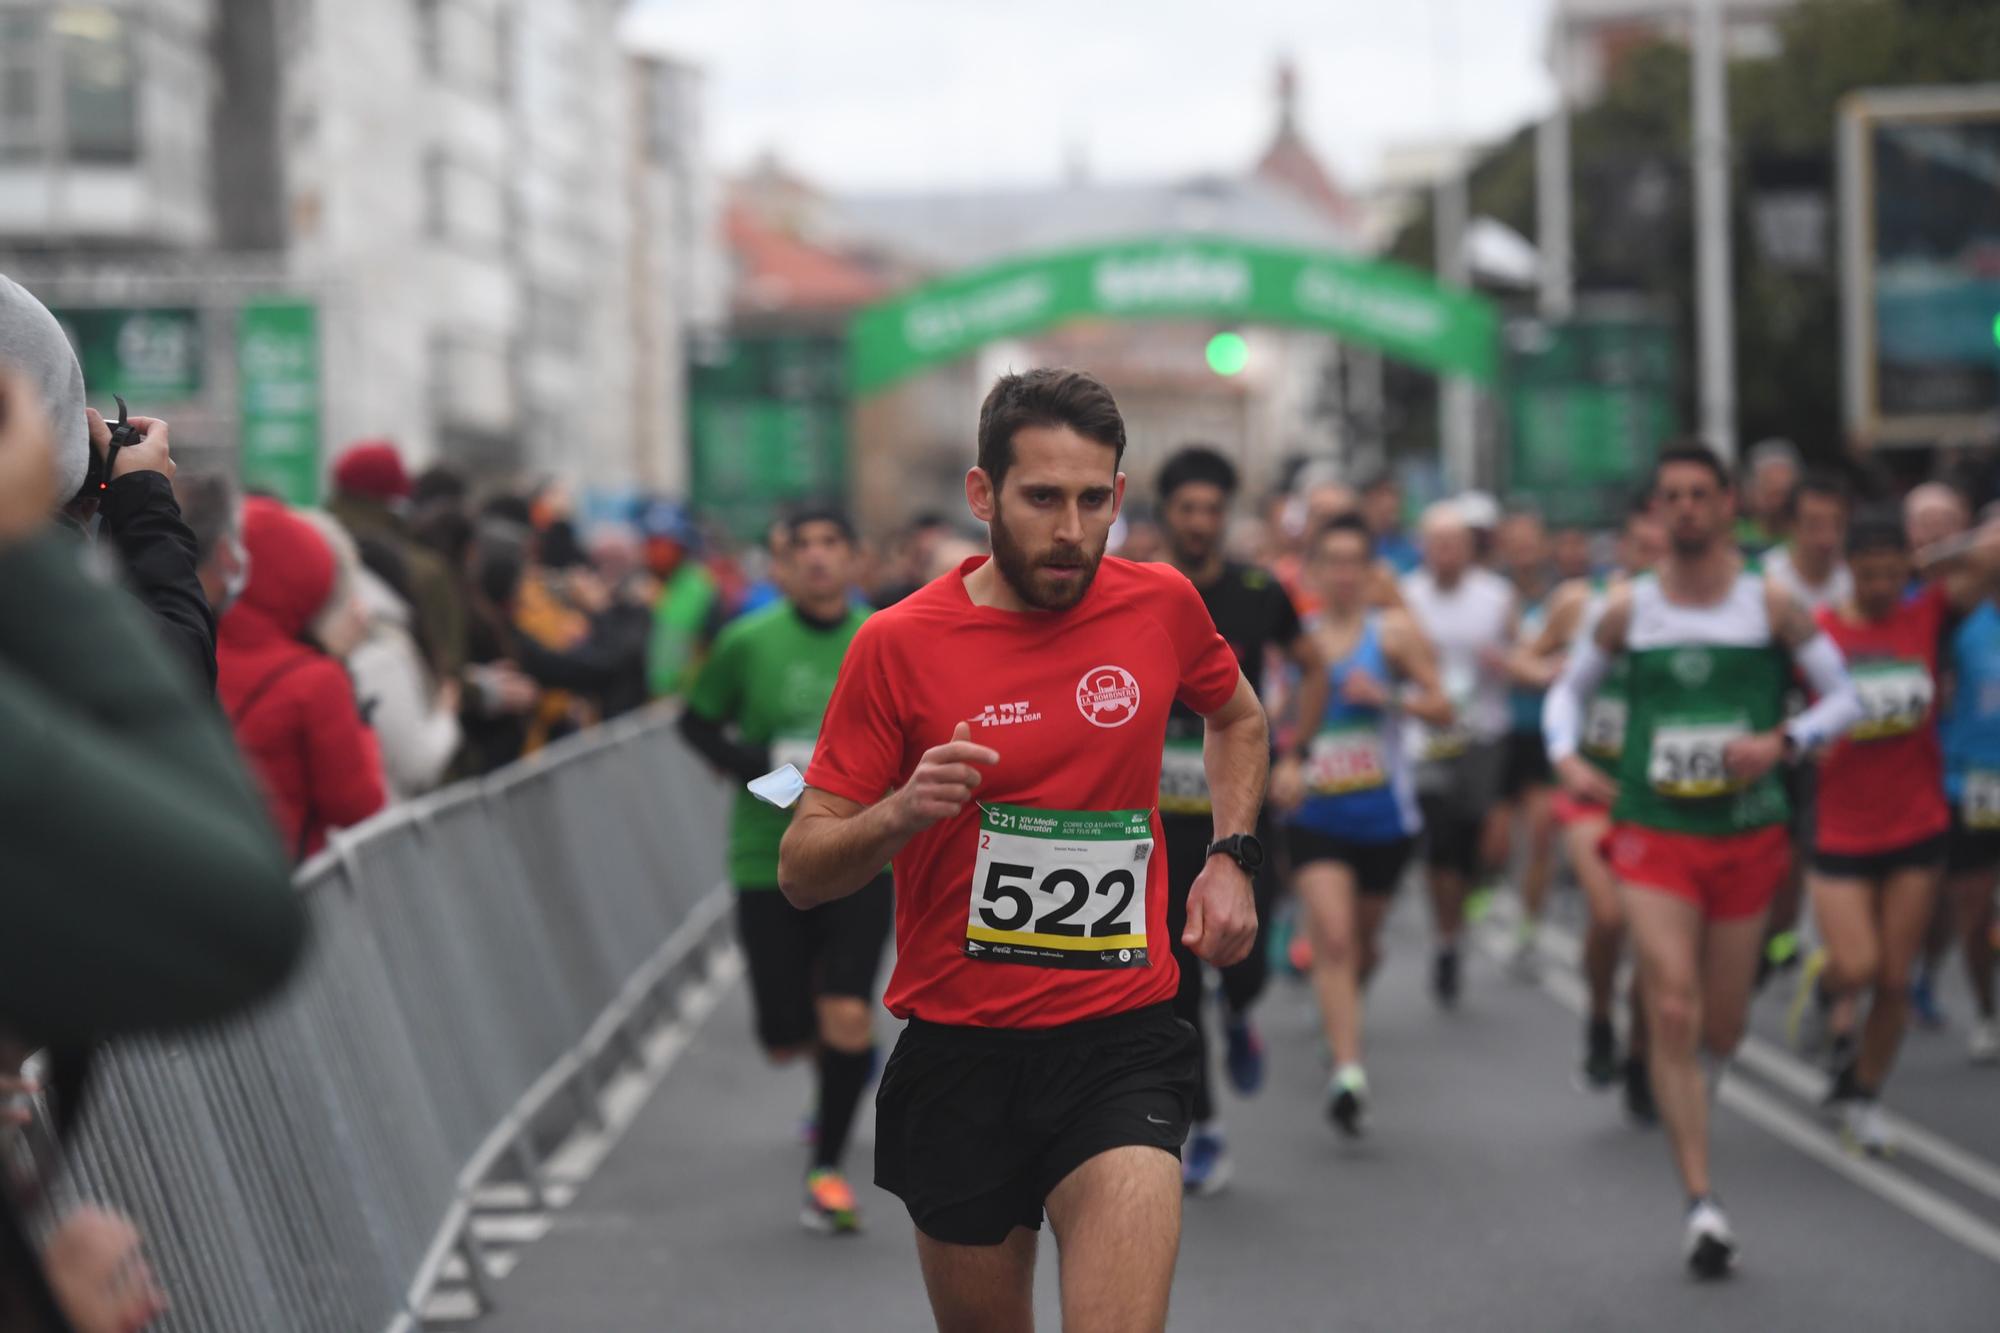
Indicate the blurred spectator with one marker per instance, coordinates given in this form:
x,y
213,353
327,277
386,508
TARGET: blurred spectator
x,y
175,911
134,506
767,590
690,609
213,508
413,714
1570,548
284,689
912,555
1143,542
1933,512
1772,472
1382,509
370,487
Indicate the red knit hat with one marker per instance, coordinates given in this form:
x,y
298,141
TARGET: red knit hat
x,y
371,468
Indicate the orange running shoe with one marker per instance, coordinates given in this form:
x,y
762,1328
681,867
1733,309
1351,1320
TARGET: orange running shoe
x,y
829,1204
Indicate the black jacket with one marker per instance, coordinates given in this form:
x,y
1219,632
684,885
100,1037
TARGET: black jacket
x,y
157,550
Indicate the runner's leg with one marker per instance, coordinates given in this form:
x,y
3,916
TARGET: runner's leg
x,y
1667,938
1327,892
1604,938
1972,895
1371,910
1844,910
1905,906
1538,872
1187,846
981,1288
1728,979
852,936
1117,1220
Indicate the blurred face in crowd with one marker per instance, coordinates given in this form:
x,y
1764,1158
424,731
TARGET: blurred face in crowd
x,y
1328,501
226,572
1695,506
1051,515
1771,488
1642,545
1570,549
1932,513
1143,542
1448,547
1881,578
819,563
1342,569
1382,508
1195,517
341,632
1523,548
1819,529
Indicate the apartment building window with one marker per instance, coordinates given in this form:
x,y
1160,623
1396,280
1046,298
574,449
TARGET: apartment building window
x,y
22,132
100,96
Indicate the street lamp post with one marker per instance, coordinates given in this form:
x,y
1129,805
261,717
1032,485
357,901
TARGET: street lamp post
x,y
1715,308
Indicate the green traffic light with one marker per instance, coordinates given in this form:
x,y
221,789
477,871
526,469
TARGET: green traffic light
x,y
1996,332
1228,354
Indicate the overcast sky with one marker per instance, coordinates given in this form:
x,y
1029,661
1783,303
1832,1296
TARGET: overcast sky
x,y
919,94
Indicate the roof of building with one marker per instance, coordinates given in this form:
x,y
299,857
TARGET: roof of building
x,y
777,270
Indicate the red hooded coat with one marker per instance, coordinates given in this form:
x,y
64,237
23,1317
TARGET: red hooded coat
x,y
292,707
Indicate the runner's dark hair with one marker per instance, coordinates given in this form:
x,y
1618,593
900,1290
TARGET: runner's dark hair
x,y
1048,397
1349,523
816,513
1877,530
1826,485
1197,463
1691,451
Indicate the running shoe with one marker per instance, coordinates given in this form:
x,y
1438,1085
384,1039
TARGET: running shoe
x,y
1205,1168
1864,1129
1444,978
1841,1088
1347,1100
1480,901
1840,1052
1639,1103
1806,1019
1244,1058
1299,955
1923,1002
1983,1044
829,1204
1600,1055
1710,1246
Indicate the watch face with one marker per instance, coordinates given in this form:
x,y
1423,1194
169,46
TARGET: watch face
x,y
1251,851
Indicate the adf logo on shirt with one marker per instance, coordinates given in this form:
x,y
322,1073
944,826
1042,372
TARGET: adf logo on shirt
x,y
1108,696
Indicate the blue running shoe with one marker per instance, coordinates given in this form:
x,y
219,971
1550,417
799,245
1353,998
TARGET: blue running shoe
x,y
1245,1060
1923,1002
1205,1165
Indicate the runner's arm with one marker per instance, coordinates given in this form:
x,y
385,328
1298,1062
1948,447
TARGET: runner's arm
x,y
1308,704
1410,653
1236,756
1563,707
1837,706
835,846
1538,661
1967,565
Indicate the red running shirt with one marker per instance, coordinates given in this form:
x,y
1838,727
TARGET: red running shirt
x,y
1044,901
1881,786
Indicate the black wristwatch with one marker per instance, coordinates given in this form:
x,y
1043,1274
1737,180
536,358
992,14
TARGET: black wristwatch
x,y
1243,849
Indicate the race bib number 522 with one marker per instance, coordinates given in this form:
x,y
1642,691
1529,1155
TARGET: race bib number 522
x,y
1060,888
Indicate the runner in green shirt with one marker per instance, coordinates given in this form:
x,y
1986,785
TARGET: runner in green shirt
x,y
755,705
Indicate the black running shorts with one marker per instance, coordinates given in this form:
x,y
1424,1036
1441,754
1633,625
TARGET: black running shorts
x,y
1527,765
1971,849
796,957
1377,866
975,1126
1926,854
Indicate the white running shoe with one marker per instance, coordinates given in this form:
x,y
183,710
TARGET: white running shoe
x,y
1710,1246
1862,1125
1984,1043
1525,965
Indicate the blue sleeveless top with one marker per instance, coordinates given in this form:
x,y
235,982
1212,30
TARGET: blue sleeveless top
x,y
1971,726
1358,782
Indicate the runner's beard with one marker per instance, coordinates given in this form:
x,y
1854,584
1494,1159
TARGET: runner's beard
x,y
1024,575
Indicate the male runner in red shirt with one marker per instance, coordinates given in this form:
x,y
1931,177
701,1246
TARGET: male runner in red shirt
x,y
999,735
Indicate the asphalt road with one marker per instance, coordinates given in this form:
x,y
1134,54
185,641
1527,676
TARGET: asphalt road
x,y
1490,1194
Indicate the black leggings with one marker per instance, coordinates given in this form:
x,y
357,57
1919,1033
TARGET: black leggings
x,y
1242,983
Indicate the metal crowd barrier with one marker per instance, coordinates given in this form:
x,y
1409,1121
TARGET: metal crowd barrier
x,y
479,958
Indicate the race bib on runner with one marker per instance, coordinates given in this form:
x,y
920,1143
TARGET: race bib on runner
x,y
1895,698
1447,743
1686,761
1183,780
1060,888
794,750
1345,761
1980,802
1604,727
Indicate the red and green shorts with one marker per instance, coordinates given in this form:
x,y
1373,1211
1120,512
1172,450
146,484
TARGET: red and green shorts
x,y
1731,877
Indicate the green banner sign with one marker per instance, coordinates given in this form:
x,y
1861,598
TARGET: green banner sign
x,y
1588,404
1406,313
150,357
277,367
767,419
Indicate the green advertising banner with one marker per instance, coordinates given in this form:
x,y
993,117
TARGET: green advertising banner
x,y
148,356
767,421
1588,404
1403,311
277,368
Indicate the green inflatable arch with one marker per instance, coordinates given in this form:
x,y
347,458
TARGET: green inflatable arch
x,y
1406,313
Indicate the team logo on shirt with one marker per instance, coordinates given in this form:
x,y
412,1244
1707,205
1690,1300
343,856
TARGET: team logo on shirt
x,y
1692,667
1108,696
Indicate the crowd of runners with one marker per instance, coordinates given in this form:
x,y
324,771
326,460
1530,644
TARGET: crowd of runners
x,y
1101,802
